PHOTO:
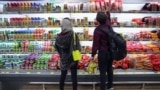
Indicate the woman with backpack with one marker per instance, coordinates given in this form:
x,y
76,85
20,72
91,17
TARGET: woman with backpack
x,y
101,47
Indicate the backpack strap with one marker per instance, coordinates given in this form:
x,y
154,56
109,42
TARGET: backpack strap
x,y
110,32
74,38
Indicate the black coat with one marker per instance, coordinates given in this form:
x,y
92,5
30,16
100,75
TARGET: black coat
x,y
64,46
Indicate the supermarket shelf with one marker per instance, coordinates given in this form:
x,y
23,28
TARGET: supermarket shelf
x,y
120,82
144,40
81,40
41,12
28,52
143,52
77,26
138,26
13,78
29,26
80,72
136,1
35,12
138,12
136,53
54,75
25,39
1,52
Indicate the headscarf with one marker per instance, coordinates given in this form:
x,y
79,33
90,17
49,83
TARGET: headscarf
x,y
66,25
64,44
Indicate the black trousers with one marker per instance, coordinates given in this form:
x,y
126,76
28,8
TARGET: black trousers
x,y
73,76
105,65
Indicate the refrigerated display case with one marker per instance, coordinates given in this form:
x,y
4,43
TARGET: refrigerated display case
x,y
28,29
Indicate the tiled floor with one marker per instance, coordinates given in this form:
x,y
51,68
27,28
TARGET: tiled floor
x,y
89,87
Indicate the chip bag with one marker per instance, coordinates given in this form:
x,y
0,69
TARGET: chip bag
x,y
92,67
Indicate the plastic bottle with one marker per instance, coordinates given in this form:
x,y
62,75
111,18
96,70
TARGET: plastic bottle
x,y
85,33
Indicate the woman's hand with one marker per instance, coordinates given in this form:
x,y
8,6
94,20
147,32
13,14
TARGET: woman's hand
x,y
95,58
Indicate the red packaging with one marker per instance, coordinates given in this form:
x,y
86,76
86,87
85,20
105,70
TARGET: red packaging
x,y
102,5
113,5
98,8
119,5
158,21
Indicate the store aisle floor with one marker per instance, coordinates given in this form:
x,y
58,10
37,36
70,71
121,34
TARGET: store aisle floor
x,y
90,87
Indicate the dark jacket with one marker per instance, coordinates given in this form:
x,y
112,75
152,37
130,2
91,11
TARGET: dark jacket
x,y
64,46
100,40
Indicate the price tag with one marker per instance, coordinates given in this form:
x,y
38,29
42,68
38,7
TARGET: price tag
x,y
62,11
150,26
38,72
136,11
97,72
135,26
26,26
157,26
45,11
144,73
86,73
125,72
133,72
7,72
52,73
121,26
36,52
80,11
142,52
158,72
80,73
28,72
72,11
43,52
2,72
115,73
36,26
16,72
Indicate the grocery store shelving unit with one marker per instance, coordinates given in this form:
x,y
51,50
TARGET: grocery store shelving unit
x,y
12,79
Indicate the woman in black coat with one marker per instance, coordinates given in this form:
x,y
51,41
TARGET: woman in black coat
x,y
64,46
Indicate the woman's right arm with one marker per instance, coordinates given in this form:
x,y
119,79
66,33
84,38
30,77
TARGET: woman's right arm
x,y
57,49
